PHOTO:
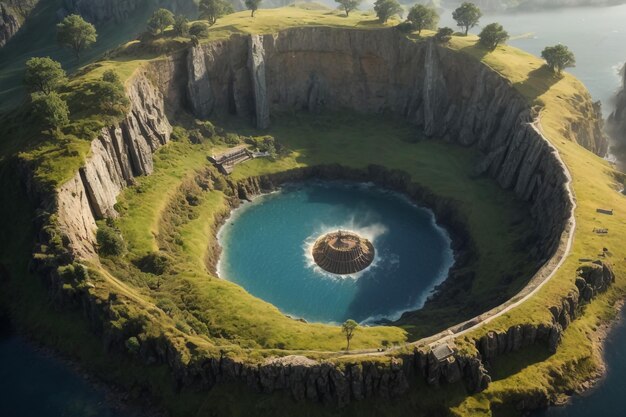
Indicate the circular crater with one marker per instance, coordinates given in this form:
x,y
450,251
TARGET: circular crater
x,y
327,251
343,252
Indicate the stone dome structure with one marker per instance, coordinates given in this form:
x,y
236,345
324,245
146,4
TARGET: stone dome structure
x,y
343,253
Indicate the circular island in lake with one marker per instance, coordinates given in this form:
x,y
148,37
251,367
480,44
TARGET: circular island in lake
x,y
343,253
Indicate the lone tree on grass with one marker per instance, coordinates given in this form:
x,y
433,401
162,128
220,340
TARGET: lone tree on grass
x,y
159,21
50,110
253,5
181,26
444,35
44,75
77,34
212,10
558,58
467,16
422,17
349,5
348,329
493,35
386,8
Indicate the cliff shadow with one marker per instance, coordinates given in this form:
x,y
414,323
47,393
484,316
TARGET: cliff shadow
x,y
539,82
512,363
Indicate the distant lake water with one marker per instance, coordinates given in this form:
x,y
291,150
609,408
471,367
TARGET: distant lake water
x,y
34,384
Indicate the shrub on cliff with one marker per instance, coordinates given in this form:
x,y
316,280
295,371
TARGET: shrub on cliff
x,y
467,15
444,35
181,26
386,8
111,76
422,17
558,58
493,35
110,243
132,345
199,30
111,97
50,110
44,75
159,21
154,263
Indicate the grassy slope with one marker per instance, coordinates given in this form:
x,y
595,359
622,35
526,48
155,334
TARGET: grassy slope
x,y
38,38
595,185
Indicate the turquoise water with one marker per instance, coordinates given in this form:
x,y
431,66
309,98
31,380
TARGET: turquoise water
x,y
33,384
266,250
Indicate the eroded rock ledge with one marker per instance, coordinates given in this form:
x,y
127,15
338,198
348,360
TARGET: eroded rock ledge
x,y
449,94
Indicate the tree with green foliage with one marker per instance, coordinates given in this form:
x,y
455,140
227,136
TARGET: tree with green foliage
x,y
558,58
386,8
75,33
181,25
211,10
253,5
111,97
50,110
349,5
493,35
159,21
111,76
348,328
444,35
132,345
199,30
44,75
467,15
110,243
422,17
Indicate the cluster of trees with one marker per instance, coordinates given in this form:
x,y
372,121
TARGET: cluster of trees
x,y
45,78
467,16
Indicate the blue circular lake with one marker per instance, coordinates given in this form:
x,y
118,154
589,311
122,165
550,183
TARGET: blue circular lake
x,y
266,248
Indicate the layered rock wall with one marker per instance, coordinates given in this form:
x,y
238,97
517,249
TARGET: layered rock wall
x,y
450,95
9,23
117,156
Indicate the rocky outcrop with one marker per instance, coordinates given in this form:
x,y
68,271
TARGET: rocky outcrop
x,y
591,279
9,23
256,63
117,156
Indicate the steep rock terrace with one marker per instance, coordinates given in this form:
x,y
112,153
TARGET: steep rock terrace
x,y
119,154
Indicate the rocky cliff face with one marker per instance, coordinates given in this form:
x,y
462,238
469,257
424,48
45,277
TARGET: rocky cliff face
x,y
9,23
451,96
117,156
